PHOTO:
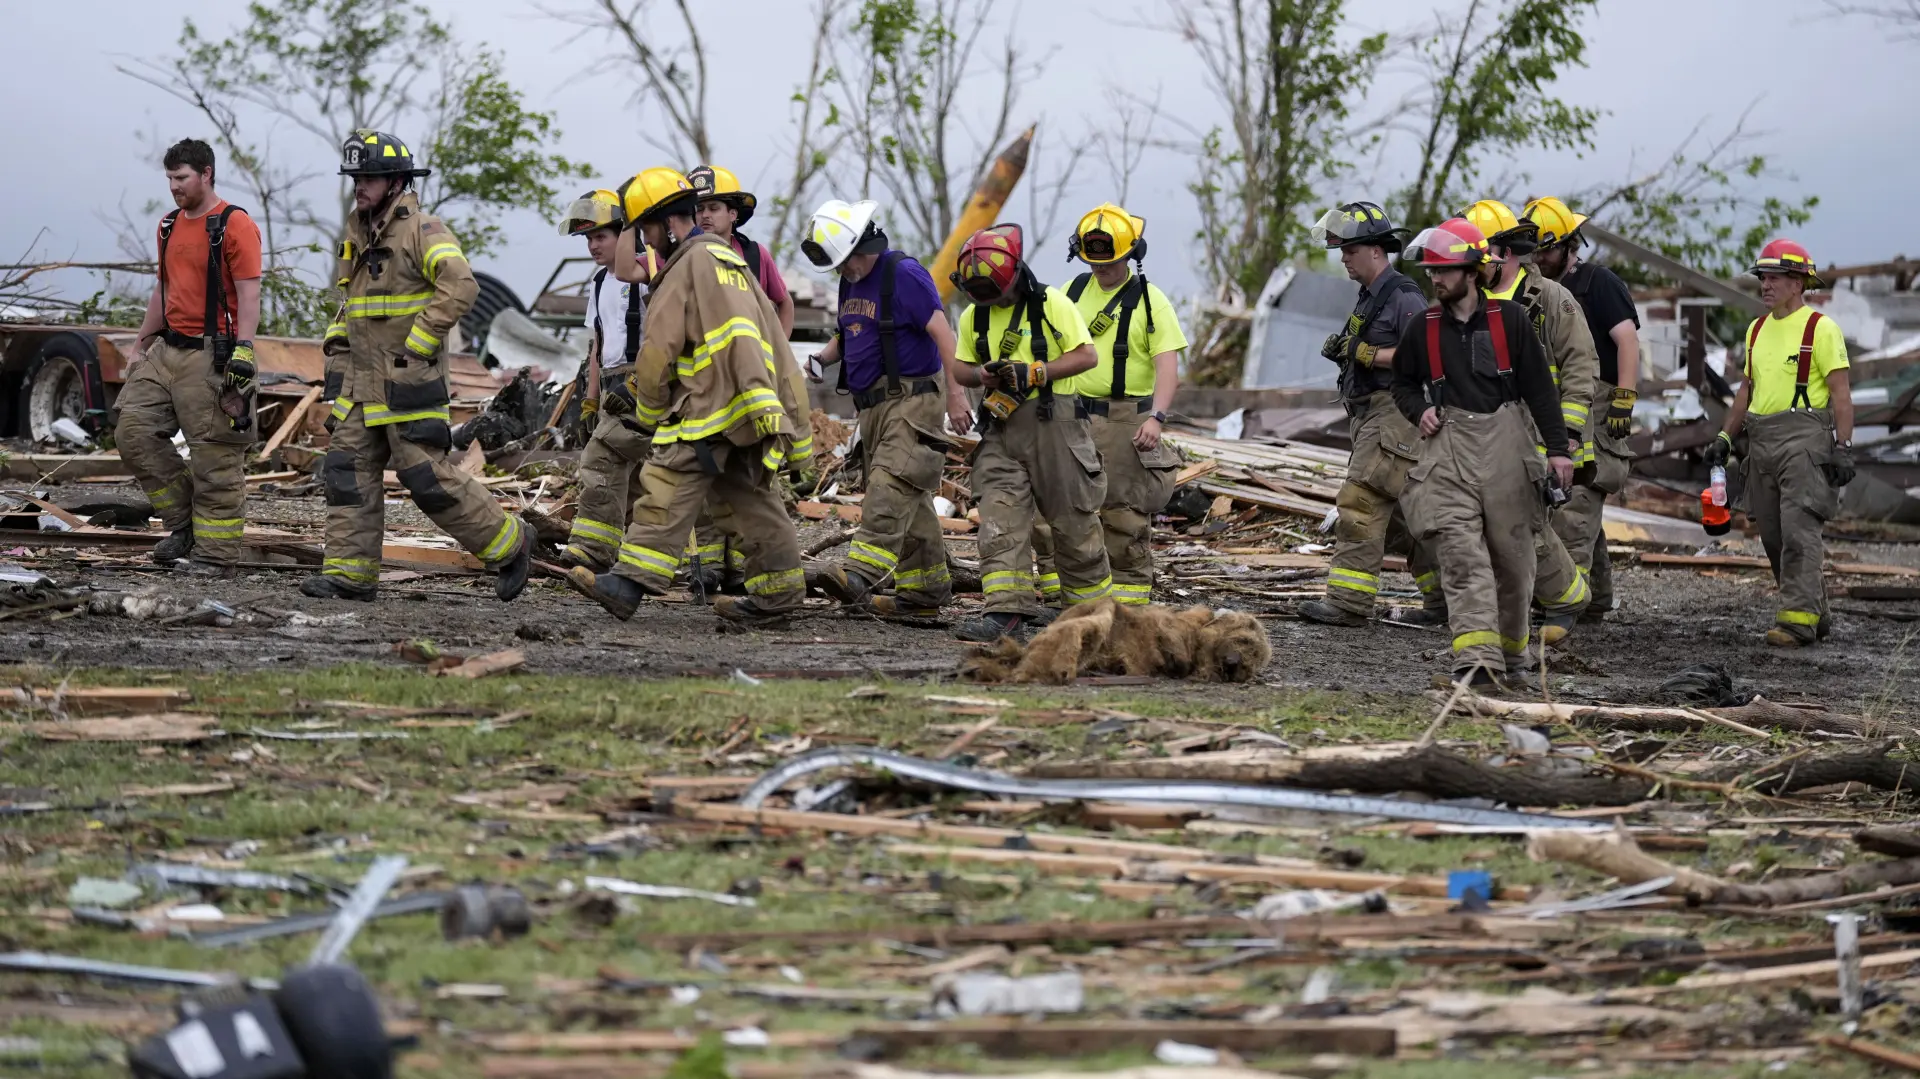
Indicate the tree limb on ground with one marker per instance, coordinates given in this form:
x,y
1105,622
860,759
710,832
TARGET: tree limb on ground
x,y
1616,855
1760,712
1442,773
1895,841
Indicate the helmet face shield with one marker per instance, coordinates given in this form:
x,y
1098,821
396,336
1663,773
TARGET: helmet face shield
x,y
816,254
586,214
1097,246
1334,229
1444,246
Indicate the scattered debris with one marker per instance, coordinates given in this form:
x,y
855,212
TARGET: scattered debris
x,y
995,994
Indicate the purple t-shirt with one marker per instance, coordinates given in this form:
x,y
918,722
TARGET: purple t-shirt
x,y
914,302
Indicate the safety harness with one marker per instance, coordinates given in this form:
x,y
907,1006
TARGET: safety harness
x,y
889,342
1125,300
633,321
751,252
1496,329
216,294
1363,317
1035,304
1800,398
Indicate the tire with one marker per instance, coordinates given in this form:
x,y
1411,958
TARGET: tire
x,y
334,1020
60,384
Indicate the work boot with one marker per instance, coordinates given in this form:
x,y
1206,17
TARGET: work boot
x,y
1320,612
990,627
746,611
194,567
1555,629
334,586
893,607
705,581
838,583
571,556
1823,629
1048,614
1595,613
174,547
621,596
511,577
1419,616
1780,638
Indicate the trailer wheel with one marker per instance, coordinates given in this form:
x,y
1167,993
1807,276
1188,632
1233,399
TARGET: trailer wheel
x,y
54,387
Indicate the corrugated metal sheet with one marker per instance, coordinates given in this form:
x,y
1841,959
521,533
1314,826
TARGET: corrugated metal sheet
x,y
1294,315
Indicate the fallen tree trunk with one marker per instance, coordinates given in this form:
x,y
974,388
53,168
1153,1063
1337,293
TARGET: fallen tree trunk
x,y
1895,841
1442,773
1759,712
1616,855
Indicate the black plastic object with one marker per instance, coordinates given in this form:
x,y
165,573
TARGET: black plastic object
x,y
242,1038
334,1020
478,910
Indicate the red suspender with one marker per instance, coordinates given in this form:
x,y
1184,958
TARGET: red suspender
x,y
1806,362
1435,372
1753,338
1497,328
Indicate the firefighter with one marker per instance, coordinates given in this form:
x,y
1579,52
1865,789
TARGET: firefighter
x,y
1470,372
1137,341
1796,407
192,371
723,209
1018,340
892,340
718,385
1385,443
1560,589
406,283
1613,322
618,447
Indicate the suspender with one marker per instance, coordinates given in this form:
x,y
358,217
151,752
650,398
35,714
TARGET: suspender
x,y
1800,398
751,252
599,331
1010,340
216,295
1496,329
1128,298
889,329
632,347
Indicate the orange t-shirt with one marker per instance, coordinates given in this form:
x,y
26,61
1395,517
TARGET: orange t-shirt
x,y
186,269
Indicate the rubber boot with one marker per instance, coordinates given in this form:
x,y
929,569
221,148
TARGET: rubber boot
x,y
746,611
837,583
1419,616
619,595
1320,612
1780,638
1555,629
512,575
194,567
334,586
891,607
990,627
1048,614
174,547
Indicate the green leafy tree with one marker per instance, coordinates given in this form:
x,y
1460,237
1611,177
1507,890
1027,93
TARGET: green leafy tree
x,y
1492,70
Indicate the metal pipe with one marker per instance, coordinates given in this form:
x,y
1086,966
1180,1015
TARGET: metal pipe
x,y
43,963
1130,790
293,925
359,906
982,209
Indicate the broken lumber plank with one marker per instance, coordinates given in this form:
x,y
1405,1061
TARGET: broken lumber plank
x,y
1825,969
1017,1038
1272,500
1111,868
636,1041
820,511
36,467
295,416
491,663
1729,561
1874,1051
849,824
109,700
161,727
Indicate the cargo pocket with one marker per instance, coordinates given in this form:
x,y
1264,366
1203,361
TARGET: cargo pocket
x,y
1377,470
1087,496
1812,492
339,478
1413,498
419,408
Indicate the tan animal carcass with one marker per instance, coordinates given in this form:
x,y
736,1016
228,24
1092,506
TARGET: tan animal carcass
x,y
1105,637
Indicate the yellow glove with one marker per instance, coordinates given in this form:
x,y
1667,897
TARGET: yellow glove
x,y
1364,353
1620,412
588,407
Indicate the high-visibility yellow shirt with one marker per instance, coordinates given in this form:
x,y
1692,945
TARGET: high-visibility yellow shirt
x,y
1774,363
1142,347
1066,330
1507,293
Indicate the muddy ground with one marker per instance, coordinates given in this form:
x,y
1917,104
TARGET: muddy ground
x,y
1667,619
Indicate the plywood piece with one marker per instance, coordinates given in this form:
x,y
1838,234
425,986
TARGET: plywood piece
x,y
291,424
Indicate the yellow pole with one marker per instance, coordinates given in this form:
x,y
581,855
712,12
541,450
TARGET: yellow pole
x,y
983,209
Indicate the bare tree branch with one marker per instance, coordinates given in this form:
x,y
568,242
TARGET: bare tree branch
x,y
660,78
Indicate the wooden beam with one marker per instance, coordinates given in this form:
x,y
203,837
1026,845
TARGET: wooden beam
x,y
1729,561
1677,271
849,824
295,416
1018,1038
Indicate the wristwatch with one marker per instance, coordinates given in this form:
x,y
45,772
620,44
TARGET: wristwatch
x,y
1843,443
1159,417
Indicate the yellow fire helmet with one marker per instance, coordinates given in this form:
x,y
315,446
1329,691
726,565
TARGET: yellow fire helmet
x,y
1557,223
1107,234
656,193
714,182
597,209
1498,224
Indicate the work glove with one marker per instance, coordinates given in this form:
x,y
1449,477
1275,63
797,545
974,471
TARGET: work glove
x,y
1839,467
1335,348
1364,353
1719,450
240,370
1620,412
1019,378
588,408
804,479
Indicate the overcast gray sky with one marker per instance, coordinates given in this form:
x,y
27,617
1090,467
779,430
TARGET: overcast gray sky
x,y
1835,98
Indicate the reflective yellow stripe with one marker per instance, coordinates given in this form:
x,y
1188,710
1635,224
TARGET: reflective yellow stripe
x,y
388,306
1513,647
599,531
774,459
706,550
163,499
1586,453
737,560
920,578
718,338
1049,582
878,557
800,449
505,541
693,430
435,255
218,527
1574,410
1132,593
379,416
1798,618
1474,639
785,580
649,416
659,563
1354,579
341,406
364,570
335,329
1577,592
422,342
1088,595
1006,580
1427,581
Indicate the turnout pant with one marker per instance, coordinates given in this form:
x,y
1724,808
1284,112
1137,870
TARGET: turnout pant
x,y
1473,496
674,487
176,389
1385,448
356,500
1579,523
1789,498
609,470
1559,587
1139,482
1026,464
903,455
